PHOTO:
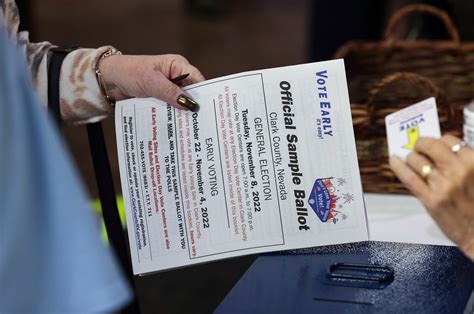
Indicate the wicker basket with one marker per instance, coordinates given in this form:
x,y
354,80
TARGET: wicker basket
x,y
386,76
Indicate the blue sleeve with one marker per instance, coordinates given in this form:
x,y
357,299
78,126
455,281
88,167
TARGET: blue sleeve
x,y
52,258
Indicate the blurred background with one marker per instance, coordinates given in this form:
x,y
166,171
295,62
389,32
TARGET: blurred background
x,y
219,37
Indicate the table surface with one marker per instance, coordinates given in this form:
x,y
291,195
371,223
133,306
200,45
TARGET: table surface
x,y
401,218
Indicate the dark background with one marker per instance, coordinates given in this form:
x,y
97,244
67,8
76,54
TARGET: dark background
x,y
219,37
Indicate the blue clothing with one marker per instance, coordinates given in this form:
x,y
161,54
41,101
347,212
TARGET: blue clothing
x,y
52,259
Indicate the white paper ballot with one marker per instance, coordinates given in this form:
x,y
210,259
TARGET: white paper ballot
x,y
268,163
405,126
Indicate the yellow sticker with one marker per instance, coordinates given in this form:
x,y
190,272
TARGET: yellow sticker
x,y
413,135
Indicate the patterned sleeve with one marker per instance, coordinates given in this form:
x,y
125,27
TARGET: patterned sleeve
x,y
81,98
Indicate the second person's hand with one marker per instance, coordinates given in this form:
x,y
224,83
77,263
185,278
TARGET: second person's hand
x,y
440,172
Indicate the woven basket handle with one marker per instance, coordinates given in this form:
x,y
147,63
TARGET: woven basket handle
x,y
420,8
413,78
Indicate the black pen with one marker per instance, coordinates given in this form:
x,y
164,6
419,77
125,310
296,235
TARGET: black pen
x,y
178,79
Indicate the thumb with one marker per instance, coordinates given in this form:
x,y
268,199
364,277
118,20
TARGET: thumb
x,y
173,95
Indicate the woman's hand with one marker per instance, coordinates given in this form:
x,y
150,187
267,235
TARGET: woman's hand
x,y
447,189
127,76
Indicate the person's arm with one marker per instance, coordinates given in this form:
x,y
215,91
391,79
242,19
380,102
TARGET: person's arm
x,y
82,99
441,174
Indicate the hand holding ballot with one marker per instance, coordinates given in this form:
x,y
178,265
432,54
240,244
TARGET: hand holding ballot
x,y
127,76
440,172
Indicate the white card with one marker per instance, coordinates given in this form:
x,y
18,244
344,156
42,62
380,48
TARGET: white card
x,y
405,126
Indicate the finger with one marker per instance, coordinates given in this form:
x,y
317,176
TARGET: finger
x,y
435,150
164,89
465,153
417,162
180,65
409,177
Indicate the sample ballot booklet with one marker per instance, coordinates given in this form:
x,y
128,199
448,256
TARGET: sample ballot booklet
x,y
268,163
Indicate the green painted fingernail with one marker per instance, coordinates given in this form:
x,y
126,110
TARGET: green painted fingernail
x,y
188,103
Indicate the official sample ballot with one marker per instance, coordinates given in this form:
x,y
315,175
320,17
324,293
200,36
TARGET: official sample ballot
x,y
268,163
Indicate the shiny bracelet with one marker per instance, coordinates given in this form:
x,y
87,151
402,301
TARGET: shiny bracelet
x,y
98,74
